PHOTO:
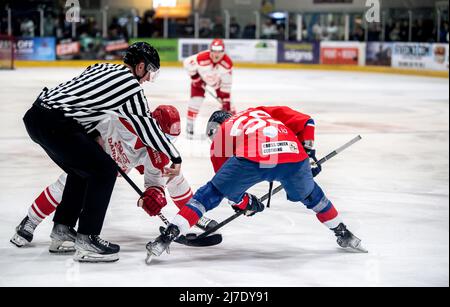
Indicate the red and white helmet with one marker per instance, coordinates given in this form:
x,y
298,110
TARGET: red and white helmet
x,y
168,118
217,46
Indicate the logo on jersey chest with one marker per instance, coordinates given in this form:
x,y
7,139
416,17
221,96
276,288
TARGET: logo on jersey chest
x,y
118,154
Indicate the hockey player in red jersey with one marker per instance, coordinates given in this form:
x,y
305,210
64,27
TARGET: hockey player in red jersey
x,y
121,142
209,68
256,145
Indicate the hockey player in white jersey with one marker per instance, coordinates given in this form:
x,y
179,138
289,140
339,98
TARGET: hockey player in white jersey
x,y
211,68
121,142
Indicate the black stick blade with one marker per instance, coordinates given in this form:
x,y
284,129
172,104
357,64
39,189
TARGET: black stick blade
x,y
211,240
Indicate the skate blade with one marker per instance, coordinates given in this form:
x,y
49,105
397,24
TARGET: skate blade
x,y
18,241
62,247
361,250
152,252
62,251
357,249
87,257
149,258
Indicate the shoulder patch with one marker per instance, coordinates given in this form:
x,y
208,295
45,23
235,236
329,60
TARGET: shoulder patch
x,y
203,58
227,62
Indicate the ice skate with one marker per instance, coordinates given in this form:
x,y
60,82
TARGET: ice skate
x,y
347,240
24,233
206,224
63,239
91,248
161,243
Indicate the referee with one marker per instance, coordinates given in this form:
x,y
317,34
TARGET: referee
x,y
62,121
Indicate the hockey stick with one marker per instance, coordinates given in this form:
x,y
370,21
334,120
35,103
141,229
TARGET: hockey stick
x,y
212,95
279,188
232,108
320,162
193,241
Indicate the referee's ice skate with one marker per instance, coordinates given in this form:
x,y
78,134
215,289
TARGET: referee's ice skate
x,y
94,249
63,239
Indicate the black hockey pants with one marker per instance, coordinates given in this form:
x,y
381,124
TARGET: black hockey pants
x,y
91,173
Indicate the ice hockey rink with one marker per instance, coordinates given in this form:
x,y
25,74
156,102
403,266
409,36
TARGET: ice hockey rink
x,y
392,189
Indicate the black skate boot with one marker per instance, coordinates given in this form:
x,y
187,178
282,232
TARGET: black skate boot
x,y
347,240
91,248
63,239
161,243
206,224
24,233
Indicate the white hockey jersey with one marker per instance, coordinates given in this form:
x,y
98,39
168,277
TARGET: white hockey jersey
x,y
217,76
123,145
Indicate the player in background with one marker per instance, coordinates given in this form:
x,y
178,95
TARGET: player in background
x,y
121,142
256,145
209,68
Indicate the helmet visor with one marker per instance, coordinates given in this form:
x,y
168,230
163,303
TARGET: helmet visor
x,y
153,70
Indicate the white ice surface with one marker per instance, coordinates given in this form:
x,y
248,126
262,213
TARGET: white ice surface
x,y
392,189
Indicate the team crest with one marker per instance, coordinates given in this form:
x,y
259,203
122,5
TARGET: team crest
x,y
293,146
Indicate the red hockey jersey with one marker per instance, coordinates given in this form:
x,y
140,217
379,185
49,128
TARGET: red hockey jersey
x,y
266,135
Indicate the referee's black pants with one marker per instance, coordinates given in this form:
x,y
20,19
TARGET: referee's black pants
x,y
91,173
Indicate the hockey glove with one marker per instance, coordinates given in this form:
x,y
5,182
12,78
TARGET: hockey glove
x,y
315,168
197,81
250,204
153,200
225,99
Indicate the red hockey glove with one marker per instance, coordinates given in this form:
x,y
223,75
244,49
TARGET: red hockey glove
x,y
197,81
153,200
250,204
225,98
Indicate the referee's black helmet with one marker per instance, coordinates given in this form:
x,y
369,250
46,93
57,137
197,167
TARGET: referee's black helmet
x,y
142,52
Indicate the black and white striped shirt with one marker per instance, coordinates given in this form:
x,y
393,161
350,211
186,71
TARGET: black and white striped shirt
x,y
103,90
